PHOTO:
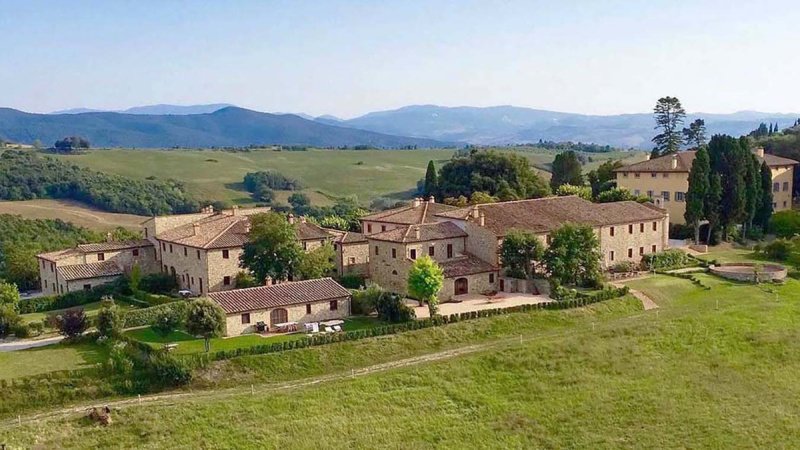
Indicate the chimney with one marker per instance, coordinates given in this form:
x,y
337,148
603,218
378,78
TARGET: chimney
x,y
647,157
759,151
247,227
416,232
431,199
109,237
416,202
475,211
482,219
674,161
291,218
302,219
235,210
195,227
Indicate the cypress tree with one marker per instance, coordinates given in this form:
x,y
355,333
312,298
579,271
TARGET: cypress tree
x,y
712,203
729,160
752,182
431,181
698,190
764,211
566,170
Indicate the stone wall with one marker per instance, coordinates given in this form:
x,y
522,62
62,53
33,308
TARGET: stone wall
x,y
320,311
352,259
476,284
631,246
78,285
783,175
672,182
190,266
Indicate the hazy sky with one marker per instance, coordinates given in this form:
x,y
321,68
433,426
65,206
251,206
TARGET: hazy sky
x,y
350,57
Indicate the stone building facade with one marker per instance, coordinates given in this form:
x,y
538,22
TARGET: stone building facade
x,y
666,180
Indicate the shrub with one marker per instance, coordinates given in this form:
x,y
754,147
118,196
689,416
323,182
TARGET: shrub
x,y
166,321
364,301
785,224
391,308
21,330
9,318
623,267
109,322
158,283
169,370
352,281
72,322
68,300
245,280
668,259
36,328
779,249
205,318
146,316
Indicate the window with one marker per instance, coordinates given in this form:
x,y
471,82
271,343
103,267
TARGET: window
x,y
45,284
679,196
449,250
334,305
630,253
136,252
200,280
611,255
185,251
87,287
163,246
394,253
170,248
44,265
413,253
192,281
394,272
776,187
653,175
611,231
305,245
369,228
665,175
641,250
784,203
225,254
641,227
226,281
101,256
548,239
636,175
624,174
145,232
650,194
352,260
308,308
653,249
376,251
785,186
665,195
245,318
491,278
630,229
431,251
383,227
322,242
198,254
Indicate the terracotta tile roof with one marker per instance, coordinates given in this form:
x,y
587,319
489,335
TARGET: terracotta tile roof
x,y
546,214
90,270
346,237
410,215
217,231
685,160
427,232
465,265
114,245
278,295
57,255
310,231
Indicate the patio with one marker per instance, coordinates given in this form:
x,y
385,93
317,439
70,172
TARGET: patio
x,y
477,302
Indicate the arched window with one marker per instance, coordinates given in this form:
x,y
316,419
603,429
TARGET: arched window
x,y
277,316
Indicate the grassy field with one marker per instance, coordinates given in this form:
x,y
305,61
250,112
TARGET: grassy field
x,y
188,344
368,174
707,369
90,309
51,358
74,212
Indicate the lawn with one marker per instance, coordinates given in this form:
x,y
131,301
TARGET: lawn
x,y
90,309
708,369
73,212
188,344
51,358
367,174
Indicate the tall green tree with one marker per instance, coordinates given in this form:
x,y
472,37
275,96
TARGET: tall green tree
x,y
505,175
425,280
573,256
206,319
695,134
316,263
566,170
431,186
712,204
729,160
764,211
9,295
603,178
753,195
698,190
519,253
108,320
272,251
669,115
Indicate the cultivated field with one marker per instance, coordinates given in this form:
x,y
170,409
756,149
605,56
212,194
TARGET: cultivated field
x,y
708,369
367,174
69,211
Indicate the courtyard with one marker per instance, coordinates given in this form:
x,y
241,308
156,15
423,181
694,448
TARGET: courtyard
x,y
477,302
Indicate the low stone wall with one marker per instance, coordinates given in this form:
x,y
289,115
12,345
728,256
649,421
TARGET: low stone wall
x,y
746,272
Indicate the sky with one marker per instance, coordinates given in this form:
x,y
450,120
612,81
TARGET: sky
x,y
348,58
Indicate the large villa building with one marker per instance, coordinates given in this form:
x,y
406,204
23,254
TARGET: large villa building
x,y
666,179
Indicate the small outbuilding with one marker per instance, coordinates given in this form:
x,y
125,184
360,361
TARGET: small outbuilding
x,y
271,308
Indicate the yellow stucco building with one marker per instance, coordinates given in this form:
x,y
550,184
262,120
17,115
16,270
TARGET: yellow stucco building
x,y
666,180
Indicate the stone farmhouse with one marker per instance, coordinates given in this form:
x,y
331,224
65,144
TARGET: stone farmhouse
x,y
295,302
466,241
666,179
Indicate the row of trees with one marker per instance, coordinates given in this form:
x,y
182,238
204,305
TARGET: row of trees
x,y
262,183
70,144
728,185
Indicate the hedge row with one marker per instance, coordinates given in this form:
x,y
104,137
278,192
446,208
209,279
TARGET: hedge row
x,y
146,316
687,276
68,300
322,339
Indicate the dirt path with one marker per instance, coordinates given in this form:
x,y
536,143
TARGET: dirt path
x,y
647,302
24,344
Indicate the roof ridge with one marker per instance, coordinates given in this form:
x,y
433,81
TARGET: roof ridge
x,y
218,235
424,213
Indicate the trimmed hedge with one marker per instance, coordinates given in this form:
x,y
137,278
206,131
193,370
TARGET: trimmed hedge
x,y
668,259
687,276
68,300
323,339
146,316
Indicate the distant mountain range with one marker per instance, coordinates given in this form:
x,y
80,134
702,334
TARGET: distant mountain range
x,y
510,125
226,127
421,125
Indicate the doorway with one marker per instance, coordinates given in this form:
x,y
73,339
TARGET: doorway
x,y
462,286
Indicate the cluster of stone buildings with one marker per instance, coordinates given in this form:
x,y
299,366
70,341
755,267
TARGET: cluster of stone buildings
x,y
202,250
